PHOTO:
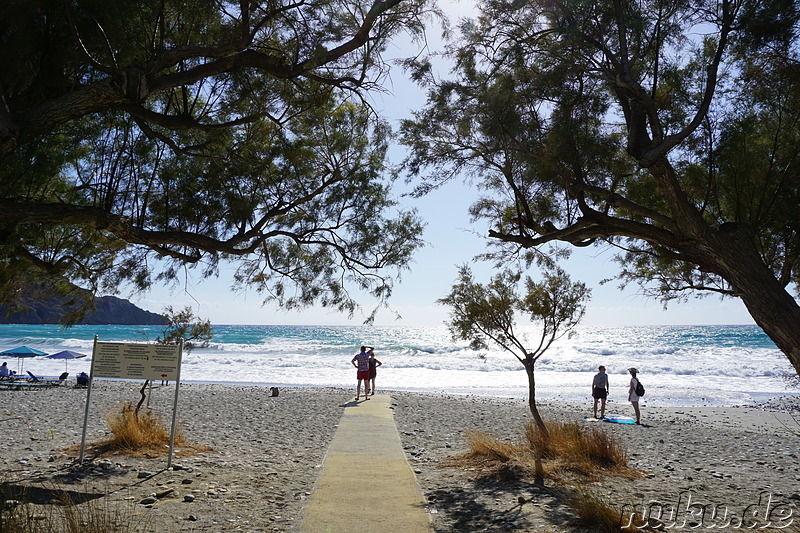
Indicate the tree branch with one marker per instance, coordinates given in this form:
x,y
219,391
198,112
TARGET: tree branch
x,y
662,148
588,228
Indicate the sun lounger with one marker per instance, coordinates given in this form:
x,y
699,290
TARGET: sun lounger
x,y
20,384
46,380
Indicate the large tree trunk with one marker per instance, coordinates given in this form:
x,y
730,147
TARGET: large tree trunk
x,y
767,300
730,252
779,316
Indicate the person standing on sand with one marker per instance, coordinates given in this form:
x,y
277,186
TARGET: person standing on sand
x,y
373,368
632,397
600,390
361,362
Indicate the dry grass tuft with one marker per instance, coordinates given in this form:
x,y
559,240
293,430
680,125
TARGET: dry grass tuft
x,y
144,435
492,457
483,445
99,517
134,434
94,516
587,451
567,448
596,514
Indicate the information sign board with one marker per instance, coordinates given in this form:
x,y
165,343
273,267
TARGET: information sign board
x,y
136,361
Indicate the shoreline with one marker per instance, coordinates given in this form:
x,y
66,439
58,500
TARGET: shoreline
x,y
775,400
680,365
267,453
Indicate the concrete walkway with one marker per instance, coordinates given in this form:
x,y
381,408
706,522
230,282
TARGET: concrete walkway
x,y
366,483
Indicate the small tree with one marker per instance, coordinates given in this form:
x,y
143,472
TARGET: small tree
x,y
667,130
482,313
185,325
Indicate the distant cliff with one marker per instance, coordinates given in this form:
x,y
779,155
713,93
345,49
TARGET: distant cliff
x,y
108,310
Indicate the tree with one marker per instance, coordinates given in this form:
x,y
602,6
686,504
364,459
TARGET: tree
x,y
185,325
483,313
668,130
181,326
141,138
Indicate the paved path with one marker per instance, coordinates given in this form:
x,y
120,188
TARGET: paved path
x,y
366,483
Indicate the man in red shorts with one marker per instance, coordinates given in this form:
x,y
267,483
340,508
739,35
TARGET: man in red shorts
x,y
361,362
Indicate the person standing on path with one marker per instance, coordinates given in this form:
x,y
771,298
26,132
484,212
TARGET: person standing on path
x,y
373,369
600,390
632,397
361,362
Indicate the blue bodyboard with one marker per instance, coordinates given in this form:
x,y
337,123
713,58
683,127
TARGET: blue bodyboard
x,y
614,419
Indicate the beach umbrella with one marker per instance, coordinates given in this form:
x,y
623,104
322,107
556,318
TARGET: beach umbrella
x,y
22,352
66,355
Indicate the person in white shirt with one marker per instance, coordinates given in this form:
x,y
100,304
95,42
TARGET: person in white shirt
x,y
632,397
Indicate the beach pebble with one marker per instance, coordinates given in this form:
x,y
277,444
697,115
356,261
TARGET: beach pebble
x,y
149,500
267,470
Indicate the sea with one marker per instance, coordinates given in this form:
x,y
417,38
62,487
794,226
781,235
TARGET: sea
x,y
679,365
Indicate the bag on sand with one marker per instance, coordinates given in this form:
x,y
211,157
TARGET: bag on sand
x,y
639,388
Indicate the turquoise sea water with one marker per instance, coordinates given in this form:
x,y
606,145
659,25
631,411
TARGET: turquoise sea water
x,y
680,365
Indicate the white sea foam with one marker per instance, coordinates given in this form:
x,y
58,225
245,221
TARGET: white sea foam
x,y
718,365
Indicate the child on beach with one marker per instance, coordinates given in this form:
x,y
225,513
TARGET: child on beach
x,y
361,362
373,368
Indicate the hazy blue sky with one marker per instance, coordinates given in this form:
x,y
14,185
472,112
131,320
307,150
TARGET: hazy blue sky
x,y
453,240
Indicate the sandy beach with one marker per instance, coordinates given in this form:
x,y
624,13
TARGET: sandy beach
x,y
266,454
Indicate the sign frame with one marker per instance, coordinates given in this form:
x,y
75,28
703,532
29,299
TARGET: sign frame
x,y
136,362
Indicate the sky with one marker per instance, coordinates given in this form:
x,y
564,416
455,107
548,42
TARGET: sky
x,y
452,240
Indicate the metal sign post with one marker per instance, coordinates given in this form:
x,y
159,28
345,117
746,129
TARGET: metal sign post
x,y
88,402
119,360
175,404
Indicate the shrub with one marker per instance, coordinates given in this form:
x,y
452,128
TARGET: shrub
x,y
586,450
136,433
566,447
